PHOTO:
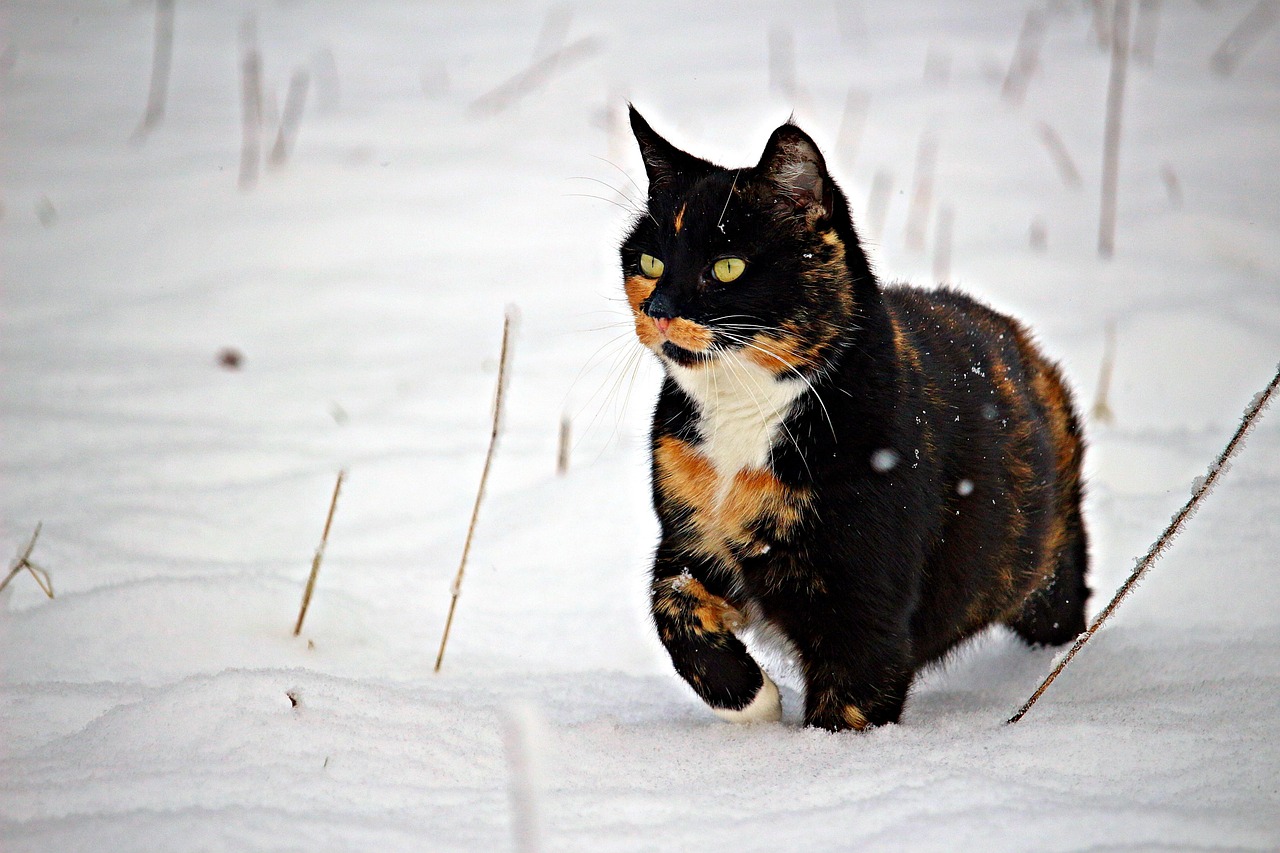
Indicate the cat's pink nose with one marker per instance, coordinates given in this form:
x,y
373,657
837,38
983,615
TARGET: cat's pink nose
x,y
663,323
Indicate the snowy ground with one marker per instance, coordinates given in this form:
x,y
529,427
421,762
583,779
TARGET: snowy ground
x,y
148,706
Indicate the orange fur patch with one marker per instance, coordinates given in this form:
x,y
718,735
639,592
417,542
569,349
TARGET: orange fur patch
x,y
690,335
680,218
721,516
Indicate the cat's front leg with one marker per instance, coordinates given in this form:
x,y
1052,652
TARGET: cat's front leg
x,y
697,626
869,690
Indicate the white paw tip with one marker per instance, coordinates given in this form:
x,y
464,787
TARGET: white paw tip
x,y
766,707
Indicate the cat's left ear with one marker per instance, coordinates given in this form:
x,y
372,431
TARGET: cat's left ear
x,y
666,165
793,163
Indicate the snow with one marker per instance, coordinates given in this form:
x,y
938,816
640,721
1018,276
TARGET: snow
x,y
160,701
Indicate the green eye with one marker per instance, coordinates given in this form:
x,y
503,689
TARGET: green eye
x,y
727,269
651,266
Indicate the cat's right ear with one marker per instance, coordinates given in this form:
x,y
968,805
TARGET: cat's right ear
x,y
665,164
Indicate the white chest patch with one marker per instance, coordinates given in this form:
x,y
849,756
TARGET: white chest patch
x,y
742,407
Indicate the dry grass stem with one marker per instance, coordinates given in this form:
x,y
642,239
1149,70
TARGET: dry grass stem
x,y
1101,410
315,561
1242,39
456,589
942,243
1026,57
161,61
1111,135
562,458
1058,152
1201,488
1145,30
852,123
922,191
294,101
534,77
878,199
23,561
250,104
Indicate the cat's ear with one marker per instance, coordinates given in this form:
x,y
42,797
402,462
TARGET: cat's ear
x,y
791,160
665,164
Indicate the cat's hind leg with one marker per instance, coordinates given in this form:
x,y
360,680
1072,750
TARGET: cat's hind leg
x,y
697,626
1055,613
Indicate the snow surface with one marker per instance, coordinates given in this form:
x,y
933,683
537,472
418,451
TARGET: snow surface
x,y
160,701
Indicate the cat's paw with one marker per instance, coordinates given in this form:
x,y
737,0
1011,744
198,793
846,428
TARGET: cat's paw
x,y
766,707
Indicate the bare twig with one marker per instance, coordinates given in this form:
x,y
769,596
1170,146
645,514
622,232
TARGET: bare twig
x,y
942,243
1145,30
878,202
1058,152
1199,490
1101,406
161,60
782,62
562,458
1026,57
456,589
852,122
294,101
315,561
922,191
536,75
1111,135
23,561
250,103
1242,39
521,736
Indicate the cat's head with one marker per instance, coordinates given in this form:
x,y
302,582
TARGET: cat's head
x,y
759,263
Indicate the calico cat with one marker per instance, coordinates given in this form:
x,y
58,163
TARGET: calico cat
x,y
875,473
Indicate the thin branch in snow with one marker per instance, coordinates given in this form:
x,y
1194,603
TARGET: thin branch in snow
x,y
1145,30
1172,186
562,457
456,589
315,561
161,60
534,77
942,243
1201,488
1058,152
878,203
1101,410
250,103
782,62
520,740
23,561
1242,39
922,191
1111,135
294,101
852,122
1026,57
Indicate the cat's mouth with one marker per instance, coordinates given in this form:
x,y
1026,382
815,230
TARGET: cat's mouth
x,y
685,357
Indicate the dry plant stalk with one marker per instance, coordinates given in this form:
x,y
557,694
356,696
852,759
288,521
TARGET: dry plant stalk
x,y
1061,157
456,589
534,77
161,61
251,103
294,101
24,562
1201,488
1026,57
562,457
1111,135
1101,407
315,561
922,192
1241,40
